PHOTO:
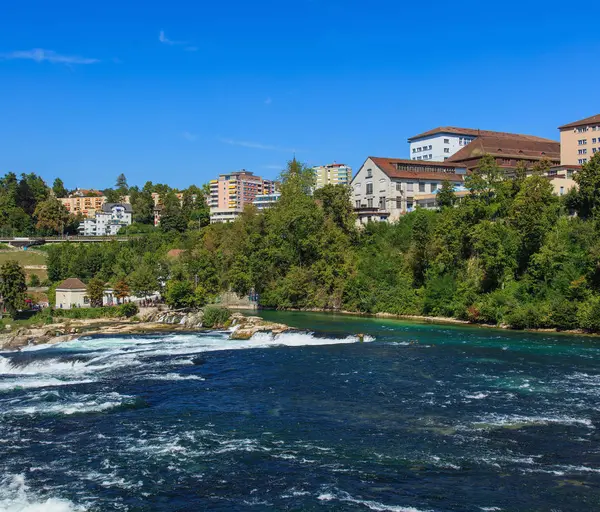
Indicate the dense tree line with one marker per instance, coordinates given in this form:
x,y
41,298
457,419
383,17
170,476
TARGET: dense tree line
x,y
509,253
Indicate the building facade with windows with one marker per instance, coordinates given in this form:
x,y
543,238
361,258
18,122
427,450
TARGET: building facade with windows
x,y
84,205
386,188
231,192
508,151
332,174
579,141
108,221
264,201
443,142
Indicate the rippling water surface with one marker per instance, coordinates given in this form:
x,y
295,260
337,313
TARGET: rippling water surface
x,y
419,418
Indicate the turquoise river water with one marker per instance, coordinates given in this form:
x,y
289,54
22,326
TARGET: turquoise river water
x,y
416,418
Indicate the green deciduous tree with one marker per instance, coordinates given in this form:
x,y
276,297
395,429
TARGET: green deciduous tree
x,y
95,292
58,187
12,287
51,216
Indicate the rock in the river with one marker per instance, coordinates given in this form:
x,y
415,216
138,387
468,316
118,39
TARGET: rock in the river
x,y
247,326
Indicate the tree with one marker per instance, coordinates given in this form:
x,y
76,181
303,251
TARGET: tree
x,y
179,294
95,291
446,196
121,184
122,290
142,205
12,287
51,215
143,281
335,201
58,187
588,197
172,217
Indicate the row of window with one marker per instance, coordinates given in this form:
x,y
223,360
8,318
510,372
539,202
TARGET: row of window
x,y
583,129
424,148
584,151
409,187
424,157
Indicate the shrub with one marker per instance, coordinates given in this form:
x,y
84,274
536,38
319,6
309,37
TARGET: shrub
x,y
215,317
128,310
588,314
34,281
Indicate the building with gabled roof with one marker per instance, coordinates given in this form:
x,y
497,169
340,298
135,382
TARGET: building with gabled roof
x,y
442,143
385,188
72,293
579,141
507,151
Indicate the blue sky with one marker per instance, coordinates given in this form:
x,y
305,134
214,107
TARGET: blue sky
x,y
181,91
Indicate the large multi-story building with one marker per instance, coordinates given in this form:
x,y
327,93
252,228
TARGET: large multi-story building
x,y
108,221
441,143
385,188
231,192
332,174
84,205
508,151
264,201
579,141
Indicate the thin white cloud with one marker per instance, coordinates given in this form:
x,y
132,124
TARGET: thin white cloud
x,y
189,136
162,37
274,167
254,145
41,55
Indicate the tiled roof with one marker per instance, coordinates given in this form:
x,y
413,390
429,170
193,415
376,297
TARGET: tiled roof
x,y
475,133
419,169
588,120
508,147
107,207
71,284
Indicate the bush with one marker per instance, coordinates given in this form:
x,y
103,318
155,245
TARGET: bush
x,y
34,281
588,314
128,310
215,317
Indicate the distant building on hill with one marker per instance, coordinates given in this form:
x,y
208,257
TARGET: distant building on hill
x,y
579,141
385,188
231,192
265,201
442,143
84,205
108,221
508,151
332,174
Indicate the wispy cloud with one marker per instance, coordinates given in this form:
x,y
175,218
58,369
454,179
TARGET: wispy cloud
x,y
189,136
255,145
162,37
40,55
274,167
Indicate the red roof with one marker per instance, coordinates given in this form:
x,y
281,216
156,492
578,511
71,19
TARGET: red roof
x,y
588,120
508,147
419,169
475,133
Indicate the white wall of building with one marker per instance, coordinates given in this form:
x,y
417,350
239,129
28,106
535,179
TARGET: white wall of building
x,y
438,147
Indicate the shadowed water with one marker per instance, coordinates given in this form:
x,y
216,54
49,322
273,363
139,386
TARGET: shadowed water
x,y
420,417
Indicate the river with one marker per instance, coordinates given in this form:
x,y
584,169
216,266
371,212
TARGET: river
x,y
416,418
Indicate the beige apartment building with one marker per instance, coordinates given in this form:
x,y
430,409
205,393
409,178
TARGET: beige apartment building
x,y
87,206
579,141
332,174
231,192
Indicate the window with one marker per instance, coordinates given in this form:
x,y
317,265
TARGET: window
x,y
446,150
369,188
370,202
369,173
421,187
414,150
358,203
582,161
562,190
409,187
409,205
434,187
594,150
382,203
398,187
430,146
418,158
582,142
446,141
399,203
419,149
594,140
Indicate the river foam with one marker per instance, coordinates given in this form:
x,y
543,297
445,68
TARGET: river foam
x,y
16,496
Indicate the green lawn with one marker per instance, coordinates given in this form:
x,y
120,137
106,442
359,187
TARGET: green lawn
x,y
28,257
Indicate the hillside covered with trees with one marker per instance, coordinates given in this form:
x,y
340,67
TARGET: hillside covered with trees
x,y
510,253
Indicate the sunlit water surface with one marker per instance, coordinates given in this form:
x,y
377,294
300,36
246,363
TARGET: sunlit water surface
x,y
416,418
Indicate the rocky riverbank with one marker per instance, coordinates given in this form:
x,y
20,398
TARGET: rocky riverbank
x,y
152,321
